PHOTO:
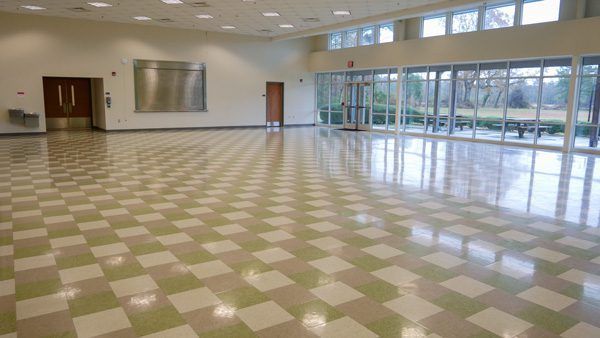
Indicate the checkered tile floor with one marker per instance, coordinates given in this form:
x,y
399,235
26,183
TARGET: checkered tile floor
x,y
242,233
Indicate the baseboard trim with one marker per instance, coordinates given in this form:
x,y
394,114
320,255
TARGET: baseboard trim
x,y
253,126
24,133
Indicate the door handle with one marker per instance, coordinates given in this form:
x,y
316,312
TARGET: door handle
x,y
73,95
60,103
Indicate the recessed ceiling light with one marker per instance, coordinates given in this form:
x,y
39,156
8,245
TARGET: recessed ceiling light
x,y
270,14
286,26
341,12
172,2
33,8
204,16
142,18
228,27
99,4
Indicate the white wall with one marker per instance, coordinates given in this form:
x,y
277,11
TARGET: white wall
x,y
238,68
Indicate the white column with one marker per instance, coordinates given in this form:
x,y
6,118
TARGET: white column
x,y
572,105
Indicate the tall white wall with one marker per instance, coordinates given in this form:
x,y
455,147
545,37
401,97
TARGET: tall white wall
x,y
238,68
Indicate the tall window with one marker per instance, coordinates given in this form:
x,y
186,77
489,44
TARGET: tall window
x,y
587,131
350,38
364,36
466,21
335,41
434,26
516,101
499,16
367,36
536,11
386,33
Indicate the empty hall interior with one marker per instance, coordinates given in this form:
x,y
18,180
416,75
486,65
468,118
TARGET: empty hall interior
x,y
300,168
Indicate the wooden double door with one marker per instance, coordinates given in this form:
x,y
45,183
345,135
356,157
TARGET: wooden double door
x,y
274,104
68,102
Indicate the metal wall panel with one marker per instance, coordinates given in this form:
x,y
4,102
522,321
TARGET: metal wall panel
x,y
167,86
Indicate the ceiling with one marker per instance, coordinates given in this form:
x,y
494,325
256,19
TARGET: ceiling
x,y
246,16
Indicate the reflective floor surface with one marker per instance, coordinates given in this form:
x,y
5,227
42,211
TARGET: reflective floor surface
x,y
296,232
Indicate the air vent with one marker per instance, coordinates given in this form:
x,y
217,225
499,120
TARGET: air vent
x,y
199,4
267,31
166,20
79,9
311,20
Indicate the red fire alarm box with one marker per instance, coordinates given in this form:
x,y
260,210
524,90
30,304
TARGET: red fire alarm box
x,y
350,64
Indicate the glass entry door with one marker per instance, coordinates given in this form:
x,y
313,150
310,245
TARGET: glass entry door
x,y
357,114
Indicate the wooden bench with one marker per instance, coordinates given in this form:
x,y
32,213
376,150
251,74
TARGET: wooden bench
x,y
523,129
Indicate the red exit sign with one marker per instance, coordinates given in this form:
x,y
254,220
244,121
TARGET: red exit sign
x,y
350,64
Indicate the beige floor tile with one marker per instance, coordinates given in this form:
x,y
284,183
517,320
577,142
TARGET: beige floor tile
x,y
581,330
93,225
62,242
35,262
519,236
547,298
382,251
343,328
372,233
221,246
323,226
443,260
467,286
413,307
193,299
273,255
546,254
131,232
331,264
500,323
80,273
263,315
34,307
580,277
25,234
7,287
131,286
100,323
209,269
156,258
188,223
184,331
462,230
275,236
336,293
395,275
327,243
269,280
109,250
577,242
229,229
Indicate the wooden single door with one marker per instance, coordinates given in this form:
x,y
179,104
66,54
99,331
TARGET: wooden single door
x,y
274,104
68,102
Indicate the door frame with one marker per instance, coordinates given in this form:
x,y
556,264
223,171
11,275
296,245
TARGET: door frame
x,y
67,124
357,125
282,85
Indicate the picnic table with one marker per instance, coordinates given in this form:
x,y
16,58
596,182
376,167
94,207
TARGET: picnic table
x,y
523,125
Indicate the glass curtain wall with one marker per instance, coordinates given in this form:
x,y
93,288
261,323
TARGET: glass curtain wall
x,y
331,90
512,101
587,126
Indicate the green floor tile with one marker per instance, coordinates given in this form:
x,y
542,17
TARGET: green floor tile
x,y
250,268
8,322
152,321
312,278
64,233
308,234
380,291
122,272
547,319
147,248
93,303
255,245
243,297
396,326
36,250
508,284
75,261
359,241
435,273
162,231
459,304
37,289
7,273
103,240
313,313
310,253
238,331
208,237
179,284
370,263
196,257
